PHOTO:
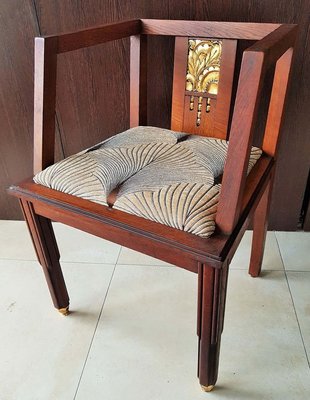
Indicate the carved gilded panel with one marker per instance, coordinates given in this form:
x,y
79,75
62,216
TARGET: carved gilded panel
x,y
203,65
203,71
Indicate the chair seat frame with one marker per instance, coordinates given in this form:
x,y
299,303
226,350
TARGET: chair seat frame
x,y
248,196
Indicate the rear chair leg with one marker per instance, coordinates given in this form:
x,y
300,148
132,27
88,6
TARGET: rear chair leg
x,y
212,285
260,224
44,242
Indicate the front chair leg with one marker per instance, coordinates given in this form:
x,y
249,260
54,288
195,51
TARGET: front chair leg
x,y
212,284
260,224
44,242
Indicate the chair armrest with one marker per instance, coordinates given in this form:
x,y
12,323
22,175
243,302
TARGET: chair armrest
x,y
274,45
93,36
275,50
46,50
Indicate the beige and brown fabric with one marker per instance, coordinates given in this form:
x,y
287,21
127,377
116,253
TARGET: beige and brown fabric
x,y
165,176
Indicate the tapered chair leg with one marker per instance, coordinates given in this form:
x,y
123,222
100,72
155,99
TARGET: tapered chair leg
x,y
260,224
44,241
212,285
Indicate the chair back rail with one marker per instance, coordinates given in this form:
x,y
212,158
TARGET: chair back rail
x,y
215,29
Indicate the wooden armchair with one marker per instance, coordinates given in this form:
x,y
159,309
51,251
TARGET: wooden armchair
x,y
202,104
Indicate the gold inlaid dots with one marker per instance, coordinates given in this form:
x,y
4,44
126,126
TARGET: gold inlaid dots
x,y
191,103
208,108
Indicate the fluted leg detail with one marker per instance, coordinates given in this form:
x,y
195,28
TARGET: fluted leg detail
x,y
212,284
44,242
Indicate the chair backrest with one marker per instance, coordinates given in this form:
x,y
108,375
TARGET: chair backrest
x,y
202,85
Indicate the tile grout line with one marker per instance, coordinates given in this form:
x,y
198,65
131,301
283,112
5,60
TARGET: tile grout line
x,y
94,333
119,254
61,261
140,265
301,335
290,292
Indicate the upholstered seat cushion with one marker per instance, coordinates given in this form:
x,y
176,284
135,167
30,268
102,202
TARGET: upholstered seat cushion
x,y
165,176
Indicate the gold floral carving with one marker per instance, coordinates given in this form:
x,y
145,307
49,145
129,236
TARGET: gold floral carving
x,y
203,72
203,65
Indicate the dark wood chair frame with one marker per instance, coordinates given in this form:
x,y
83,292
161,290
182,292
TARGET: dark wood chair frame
x,y
248,197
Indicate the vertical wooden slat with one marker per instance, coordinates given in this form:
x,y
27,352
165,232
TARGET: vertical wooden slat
x,y
221,117
44,102
260,225
179,74
241,134
138,80
277,103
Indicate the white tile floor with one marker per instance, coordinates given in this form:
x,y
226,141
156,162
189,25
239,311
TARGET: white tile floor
x,y
131,333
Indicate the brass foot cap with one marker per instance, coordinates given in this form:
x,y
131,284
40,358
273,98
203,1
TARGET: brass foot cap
x,y
207,388
64,311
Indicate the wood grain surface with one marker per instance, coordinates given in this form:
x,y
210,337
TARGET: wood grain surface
x,y
92,104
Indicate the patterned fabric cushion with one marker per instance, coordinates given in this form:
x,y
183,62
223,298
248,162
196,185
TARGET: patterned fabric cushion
x,y
165,176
